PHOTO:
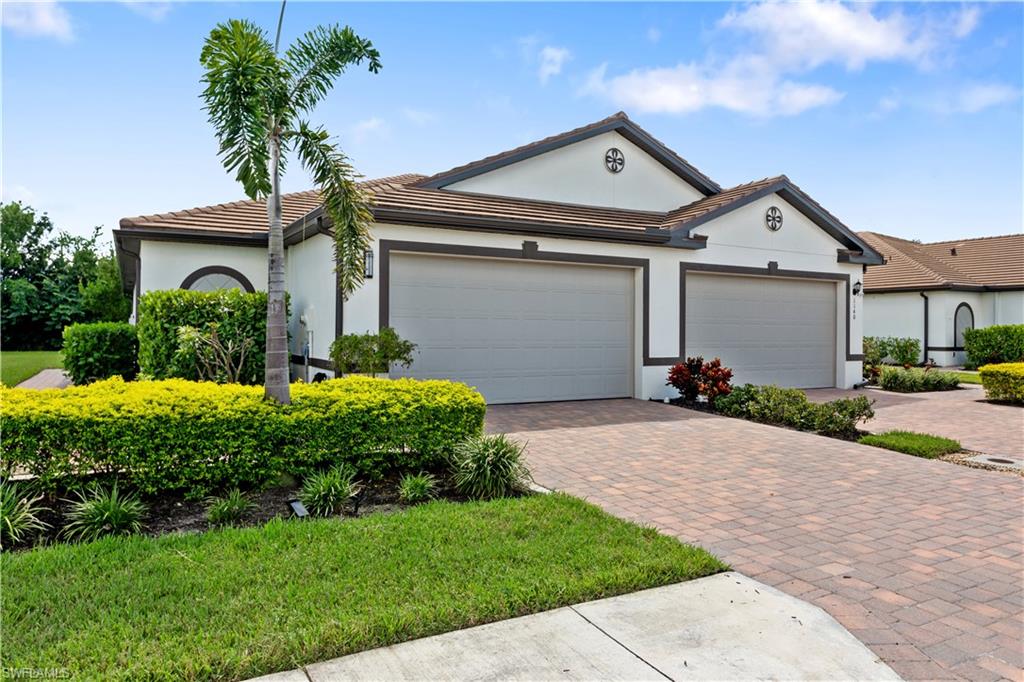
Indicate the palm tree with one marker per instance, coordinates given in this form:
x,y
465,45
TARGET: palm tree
x,y
258,102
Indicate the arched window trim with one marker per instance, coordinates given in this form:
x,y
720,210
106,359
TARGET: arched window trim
x,y
956,314
218,270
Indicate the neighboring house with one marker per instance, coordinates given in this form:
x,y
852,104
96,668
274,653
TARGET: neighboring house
x,y
578,266
933,292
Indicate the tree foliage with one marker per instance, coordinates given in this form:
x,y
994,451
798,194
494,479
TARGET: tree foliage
x,y
50,280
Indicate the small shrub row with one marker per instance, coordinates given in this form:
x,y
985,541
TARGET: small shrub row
x,y
790,407
911,443
1004,382
100,350
176,435
916,380
898,350
998,344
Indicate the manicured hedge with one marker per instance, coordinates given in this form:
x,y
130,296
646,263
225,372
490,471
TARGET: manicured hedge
x,y
202,437
790,407
898,350
238,315
1002,343
917,380
1004,382
100,350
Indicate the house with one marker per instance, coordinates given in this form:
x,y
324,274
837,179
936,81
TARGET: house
x,y
579,266
933,292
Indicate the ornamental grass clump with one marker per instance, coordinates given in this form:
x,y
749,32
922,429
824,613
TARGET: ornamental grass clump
x,y
417,488
487,467
19,515
228,509
98,512
326,493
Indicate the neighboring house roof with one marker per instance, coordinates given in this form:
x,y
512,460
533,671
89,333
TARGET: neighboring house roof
x,y
980,264
617,122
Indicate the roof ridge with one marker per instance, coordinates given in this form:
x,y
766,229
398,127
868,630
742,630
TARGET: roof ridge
x,y
974,239
931,261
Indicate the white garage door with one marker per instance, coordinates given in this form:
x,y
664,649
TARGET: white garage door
x,y
518,331
769,330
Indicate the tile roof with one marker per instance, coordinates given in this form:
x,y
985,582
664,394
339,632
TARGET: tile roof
x,y
972,263
701,207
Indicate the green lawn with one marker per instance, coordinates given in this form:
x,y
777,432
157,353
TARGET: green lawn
x,y
236,603
18,365
917,444
968,377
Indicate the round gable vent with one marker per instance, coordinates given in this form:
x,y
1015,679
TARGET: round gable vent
x,y
773,218
614,161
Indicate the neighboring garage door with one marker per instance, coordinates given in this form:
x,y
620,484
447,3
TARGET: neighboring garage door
x,y
518,331
769,330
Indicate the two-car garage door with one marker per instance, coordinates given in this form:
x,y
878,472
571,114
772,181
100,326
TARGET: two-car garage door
x,y
520,331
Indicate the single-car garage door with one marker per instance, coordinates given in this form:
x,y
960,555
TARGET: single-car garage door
x,y
769,330
519,331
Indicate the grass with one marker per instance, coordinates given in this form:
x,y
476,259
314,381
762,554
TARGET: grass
x,y
917,444
967,377
236,603
18,365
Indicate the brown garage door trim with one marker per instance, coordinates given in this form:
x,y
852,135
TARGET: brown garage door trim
x,y
529,251
771,271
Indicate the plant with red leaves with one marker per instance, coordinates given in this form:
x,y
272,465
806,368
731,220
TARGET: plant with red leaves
x,y
695,377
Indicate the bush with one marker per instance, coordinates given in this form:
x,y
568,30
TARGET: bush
x,y
487,467
238,316
19,515
371,353
874,349
100,350
917,380
695,378
327,492
790,407
203,437
999,344
917,444
100,512
1004,382
229,509
416,488
905,351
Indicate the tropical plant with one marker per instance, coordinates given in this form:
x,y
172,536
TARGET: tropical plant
x,y
98,512
327,492
228,509
19,514
371,353
416,488
258,102
694,377
485,467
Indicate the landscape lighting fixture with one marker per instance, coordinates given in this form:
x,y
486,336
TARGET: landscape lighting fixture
x,y
298,508
368,264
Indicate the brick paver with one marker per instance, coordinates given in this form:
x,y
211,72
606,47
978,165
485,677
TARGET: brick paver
x,y
922,560
963,414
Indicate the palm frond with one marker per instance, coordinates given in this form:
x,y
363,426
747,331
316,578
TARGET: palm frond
x,y
345,203
245,94
317,58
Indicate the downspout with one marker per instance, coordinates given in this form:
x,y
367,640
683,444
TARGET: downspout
x,y
925,340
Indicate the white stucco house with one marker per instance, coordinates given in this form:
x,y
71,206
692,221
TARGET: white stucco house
x,y
579,266
934,291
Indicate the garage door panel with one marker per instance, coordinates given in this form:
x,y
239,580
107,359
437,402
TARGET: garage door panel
x,y
518,331
768,330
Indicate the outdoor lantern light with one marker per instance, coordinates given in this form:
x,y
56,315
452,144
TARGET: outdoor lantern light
x,y
368,264
298,508
857,288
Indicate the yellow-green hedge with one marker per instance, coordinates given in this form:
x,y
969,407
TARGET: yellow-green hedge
x,y
1004,381
202,437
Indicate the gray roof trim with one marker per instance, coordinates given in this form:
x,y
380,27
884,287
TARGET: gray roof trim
x,y
624,127
944,287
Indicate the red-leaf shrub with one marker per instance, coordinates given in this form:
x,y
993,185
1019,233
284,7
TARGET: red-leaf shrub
x,y
696,377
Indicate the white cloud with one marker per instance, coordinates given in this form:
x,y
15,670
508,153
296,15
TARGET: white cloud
x,y
153,10
419,117
653,34
977,97
43,19
552,59
369,128
966,22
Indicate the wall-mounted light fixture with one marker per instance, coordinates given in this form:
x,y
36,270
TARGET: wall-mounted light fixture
x,y
368,264
857,288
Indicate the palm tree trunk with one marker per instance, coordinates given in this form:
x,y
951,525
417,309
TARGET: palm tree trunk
x,y
276,379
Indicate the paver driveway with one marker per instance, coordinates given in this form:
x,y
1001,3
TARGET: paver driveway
x,y
921,560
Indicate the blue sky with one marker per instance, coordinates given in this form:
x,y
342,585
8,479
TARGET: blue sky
x,y
900,118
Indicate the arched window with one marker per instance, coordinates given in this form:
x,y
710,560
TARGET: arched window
x,y
215,278
962,320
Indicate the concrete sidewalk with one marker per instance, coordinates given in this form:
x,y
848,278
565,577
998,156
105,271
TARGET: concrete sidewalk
x,y
726,626
47,378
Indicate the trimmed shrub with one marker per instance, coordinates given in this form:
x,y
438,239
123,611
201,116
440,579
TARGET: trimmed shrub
x,y
237,315
371,353
790,407
1004,382
100,350
999,344
203,437
695,377
839,418
899,350
916,380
